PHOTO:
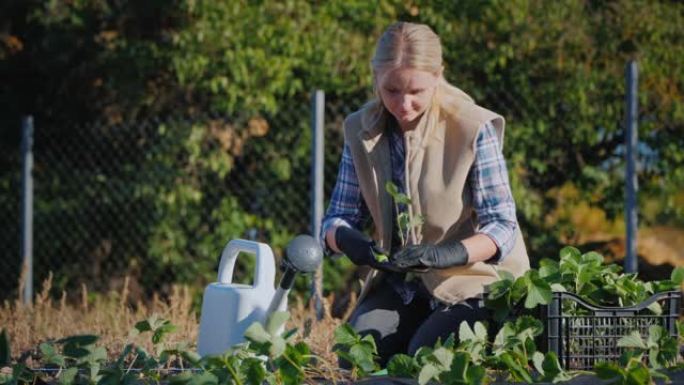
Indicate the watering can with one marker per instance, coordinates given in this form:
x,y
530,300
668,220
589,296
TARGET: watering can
x,y
228,308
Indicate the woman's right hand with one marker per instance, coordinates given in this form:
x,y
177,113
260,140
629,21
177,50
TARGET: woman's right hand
x,y
360,249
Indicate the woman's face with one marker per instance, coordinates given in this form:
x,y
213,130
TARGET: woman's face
x,y
406,93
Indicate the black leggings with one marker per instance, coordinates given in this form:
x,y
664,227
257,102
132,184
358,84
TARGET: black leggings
x,y
400,328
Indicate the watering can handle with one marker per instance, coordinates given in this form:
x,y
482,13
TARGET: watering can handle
x,y
265,263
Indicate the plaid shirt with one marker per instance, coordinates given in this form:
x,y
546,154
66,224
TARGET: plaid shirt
x,y
488,180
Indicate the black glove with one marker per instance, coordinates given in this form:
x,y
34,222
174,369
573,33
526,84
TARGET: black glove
x,y
360,249
445,254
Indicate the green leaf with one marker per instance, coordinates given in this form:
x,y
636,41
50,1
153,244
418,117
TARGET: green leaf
x,y
277,347
443,356
538,362
677,275
362,356
391,188
458,371
254,371
276,321
428,372
505,275
538,292
504,333
609,371
476,375
653,359
527,327
112,376
402,199
553,371
401,365
499,289
499,296
519,289
548,268
422,354
380,257
79,340
557,288
143,326
632,340
416,221
256,332
75,351
68,376
592,258
403,221
203,378
450,342
345,335
97,354
465,333
192,357
369,341
480,331
516,369
5,352
638,376
655,334
300,352
162,331
570,253
287,335
50,354
381,372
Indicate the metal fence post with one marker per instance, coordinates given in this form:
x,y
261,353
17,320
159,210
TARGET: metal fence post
x,y
631,186
317,163
27,207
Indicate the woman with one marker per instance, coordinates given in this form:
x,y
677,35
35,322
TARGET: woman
x,y
444,152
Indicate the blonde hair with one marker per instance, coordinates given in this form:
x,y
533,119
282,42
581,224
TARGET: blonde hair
x,y
417,46
407,45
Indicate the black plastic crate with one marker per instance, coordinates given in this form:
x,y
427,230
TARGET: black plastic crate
x,y
585,339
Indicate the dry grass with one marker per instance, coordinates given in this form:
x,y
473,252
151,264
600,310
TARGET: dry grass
x,y
112,316
319,335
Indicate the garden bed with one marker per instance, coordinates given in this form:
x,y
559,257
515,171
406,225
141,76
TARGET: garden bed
x,y
513,355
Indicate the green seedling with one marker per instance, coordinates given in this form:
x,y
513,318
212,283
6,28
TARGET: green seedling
x,y
405,222
380,257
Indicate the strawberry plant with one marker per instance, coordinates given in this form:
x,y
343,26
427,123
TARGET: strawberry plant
x,y
512,355
660,347
583,274
478,354
630,370
360,352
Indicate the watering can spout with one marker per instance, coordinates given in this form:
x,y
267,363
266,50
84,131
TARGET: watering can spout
x,y
302,255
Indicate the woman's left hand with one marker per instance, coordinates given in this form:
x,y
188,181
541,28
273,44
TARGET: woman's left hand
x,y
446,254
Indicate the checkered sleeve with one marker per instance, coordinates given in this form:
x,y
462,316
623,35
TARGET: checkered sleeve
x,y
347,207
492,196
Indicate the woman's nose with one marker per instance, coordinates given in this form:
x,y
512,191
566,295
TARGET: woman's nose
x,y
406,101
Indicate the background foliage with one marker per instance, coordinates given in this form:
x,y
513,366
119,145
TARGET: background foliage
x,y
196,95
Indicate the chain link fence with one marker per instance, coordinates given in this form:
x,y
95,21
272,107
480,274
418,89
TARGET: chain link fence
x,y
156,200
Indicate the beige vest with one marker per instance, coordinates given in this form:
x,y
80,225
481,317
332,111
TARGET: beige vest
x,y
437,165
